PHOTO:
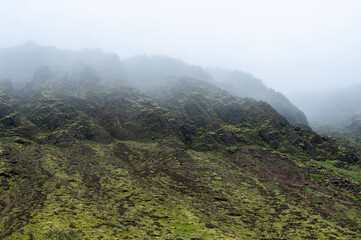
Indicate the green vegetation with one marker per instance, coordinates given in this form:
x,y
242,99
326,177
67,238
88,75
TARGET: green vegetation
x,y
317,176
85,160
231,149
94,190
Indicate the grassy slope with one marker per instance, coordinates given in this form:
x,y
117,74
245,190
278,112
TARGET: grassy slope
x,y
195,163
91,191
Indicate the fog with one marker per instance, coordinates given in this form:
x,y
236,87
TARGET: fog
x,y
303,49
289,44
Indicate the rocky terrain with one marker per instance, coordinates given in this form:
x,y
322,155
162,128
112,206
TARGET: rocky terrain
x,y
142,72
86,154
145,73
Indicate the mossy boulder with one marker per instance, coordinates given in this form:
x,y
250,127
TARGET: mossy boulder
x,y
52,115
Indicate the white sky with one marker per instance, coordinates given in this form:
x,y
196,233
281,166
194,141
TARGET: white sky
x,y
290,44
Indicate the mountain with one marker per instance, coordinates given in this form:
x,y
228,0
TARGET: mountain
x,y
143,72
335,114
146,72
83,156
243,85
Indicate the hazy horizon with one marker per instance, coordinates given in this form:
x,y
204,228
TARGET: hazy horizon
x,y
291,45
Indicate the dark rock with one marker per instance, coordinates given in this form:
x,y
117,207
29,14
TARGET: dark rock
x,y
121,151
5,175
8,121
221,199
317,139
209,225
234,214
22,141
270,136
349,157
62,138
5,109
99,135
29,131
187,133
51,115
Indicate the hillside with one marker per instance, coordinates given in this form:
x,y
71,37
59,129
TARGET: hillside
x,y
142,72
86,157
245,85
145,72
349,136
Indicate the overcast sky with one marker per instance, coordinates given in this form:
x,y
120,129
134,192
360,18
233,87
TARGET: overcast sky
x,y
290,44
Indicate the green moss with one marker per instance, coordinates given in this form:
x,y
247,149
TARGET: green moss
x,y
95,195
168,173
329,166
231,149
317,176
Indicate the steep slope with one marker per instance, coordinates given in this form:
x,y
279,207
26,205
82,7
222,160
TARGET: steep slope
x,y
142,72
92,159
245,85
145,72
349,136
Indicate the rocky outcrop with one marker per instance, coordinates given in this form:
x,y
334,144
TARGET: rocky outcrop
x,y
245,85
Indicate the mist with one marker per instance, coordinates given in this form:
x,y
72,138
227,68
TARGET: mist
x,y
135,119
290,45
295,47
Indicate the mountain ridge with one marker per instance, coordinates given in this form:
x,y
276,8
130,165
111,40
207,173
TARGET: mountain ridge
x,y
139,71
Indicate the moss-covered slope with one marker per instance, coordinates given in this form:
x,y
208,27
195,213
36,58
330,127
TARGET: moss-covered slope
x,y
86,159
